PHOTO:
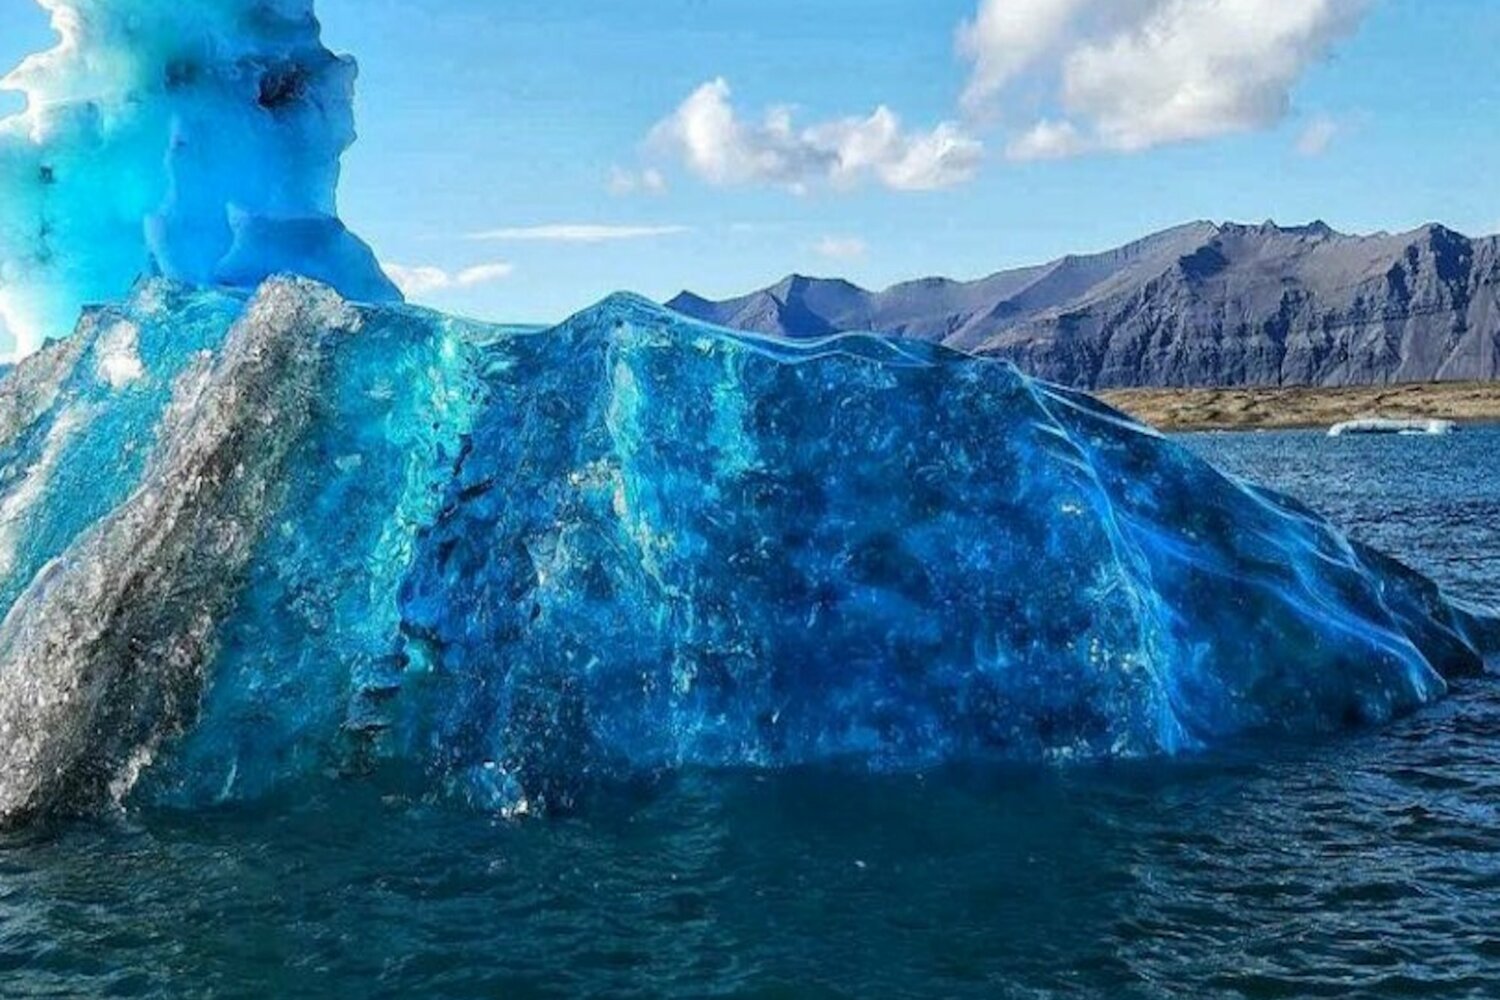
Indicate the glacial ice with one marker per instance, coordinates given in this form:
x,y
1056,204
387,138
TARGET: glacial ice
x,y
1381,425
198,141
251,541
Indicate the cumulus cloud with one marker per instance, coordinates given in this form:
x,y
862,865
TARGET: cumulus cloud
x,y
708,134
841,247
1047,140
1128,75
420,281
577,233
1007,37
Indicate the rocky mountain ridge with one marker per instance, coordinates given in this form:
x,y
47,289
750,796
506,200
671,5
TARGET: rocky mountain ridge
x,y
1204,304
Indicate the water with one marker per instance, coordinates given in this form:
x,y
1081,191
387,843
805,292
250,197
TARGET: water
x,y
1433,502
1366,866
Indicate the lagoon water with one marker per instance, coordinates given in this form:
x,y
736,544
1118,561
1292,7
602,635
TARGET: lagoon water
x,y
1363,866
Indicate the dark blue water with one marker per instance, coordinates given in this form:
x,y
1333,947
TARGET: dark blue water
x,y
1366,866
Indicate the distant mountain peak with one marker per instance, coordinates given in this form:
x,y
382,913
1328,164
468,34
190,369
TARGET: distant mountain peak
x,y
795,284
1203,303
1317,229
685,298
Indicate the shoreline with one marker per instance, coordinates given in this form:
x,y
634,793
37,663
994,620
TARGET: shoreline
x,y
1302,408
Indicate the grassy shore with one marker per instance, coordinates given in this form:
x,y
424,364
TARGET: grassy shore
x,y
1265,409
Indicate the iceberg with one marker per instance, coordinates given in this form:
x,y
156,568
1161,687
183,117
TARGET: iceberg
x,y
259,529
196,141
1379,425
252,540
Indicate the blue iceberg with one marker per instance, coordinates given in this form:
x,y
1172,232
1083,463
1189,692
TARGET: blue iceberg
x,y
259,529
247,541
197,140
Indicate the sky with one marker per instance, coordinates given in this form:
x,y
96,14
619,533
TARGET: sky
x,y
520,160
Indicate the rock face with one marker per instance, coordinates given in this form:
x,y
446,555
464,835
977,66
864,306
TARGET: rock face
x,y
246,545
1199,305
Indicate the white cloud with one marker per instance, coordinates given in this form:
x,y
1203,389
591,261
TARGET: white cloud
x,y
420,281
624,182
716,144
1007,37
1047,140
1317,135
483,274
577,233
1128,75
747,228
841,247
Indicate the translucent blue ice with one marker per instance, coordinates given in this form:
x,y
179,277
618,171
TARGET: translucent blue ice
x,y
243,544
195,140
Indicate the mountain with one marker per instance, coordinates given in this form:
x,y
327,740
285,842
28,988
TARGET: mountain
x,y
1203,304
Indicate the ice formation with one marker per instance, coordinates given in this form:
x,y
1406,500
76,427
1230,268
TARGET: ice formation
x,y
250,543
249,540
1380,425
195,140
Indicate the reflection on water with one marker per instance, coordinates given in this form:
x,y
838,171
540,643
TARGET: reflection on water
x,y
1364,866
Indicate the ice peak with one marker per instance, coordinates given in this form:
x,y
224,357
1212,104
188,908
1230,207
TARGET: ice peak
x,y
120,165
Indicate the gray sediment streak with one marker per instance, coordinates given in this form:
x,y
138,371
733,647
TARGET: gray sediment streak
x,y
103,656
33,385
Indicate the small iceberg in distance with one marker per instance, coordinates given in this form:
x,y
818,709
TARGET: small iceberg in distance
x,y
512,566
1384,425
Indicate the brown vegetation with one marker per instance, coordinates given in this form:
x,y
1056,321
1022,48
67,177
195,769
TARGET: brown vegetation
x,y
1261,409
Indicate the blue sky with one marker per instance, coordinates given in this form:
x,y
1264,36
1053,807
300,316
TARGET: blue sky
x,y
528,121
